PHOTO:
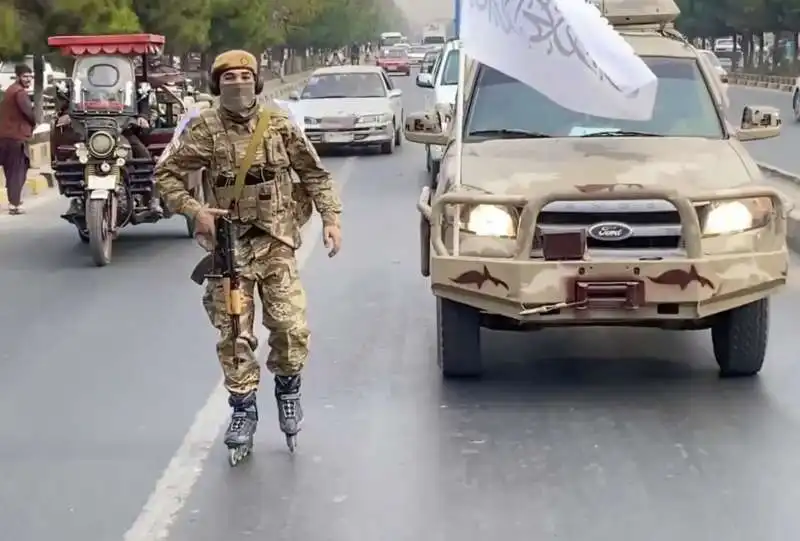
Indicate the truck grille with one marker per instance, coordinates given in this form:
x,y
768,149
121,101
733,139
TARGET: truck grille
x,y
655,224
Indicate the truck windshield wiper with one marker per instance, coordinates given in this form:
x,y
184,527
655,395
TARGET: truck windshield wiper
x,y
512,134
621,133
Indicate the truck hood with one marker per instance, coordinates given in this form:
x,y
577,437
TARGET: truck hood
x,y
344,107
692,166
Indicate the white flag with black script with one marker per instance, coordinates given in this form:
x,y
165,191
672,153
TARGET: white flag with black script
x,y
187,117
564,49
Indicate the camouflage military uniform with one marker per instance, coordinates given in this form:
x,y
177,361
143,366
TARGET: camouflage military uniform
x,y
270,213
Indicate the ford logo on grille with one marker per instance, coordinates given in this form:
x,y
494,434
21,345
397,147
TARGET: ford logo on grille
x,y
610,231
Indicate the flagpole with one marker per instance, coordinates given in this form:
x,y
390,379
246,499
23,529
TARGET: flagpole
x,y
457,20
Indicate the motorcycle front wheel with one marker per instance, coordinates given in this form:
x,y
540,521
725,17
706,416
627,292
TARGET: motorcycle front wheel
x,y
98,223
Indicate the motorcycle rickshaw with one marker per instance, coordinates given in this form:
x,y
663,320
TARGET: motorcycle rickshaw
x,y
109,106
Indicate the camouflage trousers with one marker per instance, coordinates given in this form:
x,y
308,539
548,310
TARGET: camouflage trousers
x,y
268,267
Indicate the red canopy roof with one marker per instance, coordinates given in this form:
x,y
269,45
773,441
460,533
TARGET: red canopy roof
x,y
127,44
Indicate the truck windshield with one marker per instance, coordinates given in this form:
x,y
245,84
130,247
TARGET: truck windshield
x,y
683,108
433,40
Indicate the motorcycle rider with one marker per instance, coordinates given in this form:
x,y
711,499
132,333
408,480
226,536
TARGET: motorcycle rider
x,y
146,116
355,53
145,121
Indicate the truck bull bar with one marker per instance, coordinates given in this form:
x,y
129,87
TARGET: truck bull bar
x,y
532,206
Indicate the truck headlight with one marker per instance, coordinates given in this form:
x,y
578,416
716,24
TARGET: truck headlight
x,y
491,221
310,121
727,217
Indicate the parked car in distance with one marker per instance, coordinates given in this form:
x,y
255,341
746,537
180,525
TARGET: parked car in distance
x,y
416,53
715,63
395,60
715,66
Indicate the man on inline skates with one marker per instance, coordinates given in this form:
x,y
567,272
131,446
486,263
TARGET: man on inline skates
x,y
266,235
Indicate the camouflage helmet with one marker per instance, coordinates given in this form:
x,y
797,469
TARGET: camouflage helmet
x,y
231,60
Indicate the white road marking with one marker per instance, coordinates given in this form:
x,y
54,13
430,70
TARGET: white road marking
x,y
177,481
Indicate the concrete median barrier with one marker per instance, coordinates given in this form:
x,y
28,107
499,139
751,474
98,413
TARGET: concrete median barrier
x,y
772,82
789,184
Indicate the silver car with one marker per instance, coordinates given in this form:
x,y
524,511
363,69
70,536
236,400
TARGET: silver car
x,y
416,53
716,64
349,106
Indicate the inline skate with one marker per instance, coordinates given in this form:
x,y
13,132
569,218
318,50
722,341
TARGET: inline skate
x,y
244,420
290,412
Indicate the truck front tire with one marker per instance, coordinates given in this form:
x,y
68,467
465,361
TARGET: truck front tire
x,y
458,339
740,339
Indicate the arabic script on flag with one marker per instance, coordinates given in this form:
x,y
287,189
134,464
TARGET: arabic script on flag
x,y
564,49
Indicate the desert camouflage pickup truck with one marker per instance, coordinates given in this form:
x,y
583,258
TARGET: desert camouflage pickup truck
x,y
568,219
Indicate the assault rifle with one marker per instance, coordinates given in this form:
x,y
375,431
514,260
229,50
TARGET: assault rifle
x,y
221,264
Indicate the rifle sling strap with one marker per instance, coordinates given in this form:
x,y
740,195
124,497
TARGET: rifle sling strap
x,y
256,139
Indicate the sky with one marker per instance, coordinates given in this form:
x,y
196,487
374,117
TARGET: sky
x,y
423,11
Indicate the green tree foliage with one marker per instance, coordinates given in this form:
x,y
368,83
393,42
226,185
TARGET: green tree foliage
x,y
186,23
195,26
241,24
765,31
10,31
26,24
339,22
199,25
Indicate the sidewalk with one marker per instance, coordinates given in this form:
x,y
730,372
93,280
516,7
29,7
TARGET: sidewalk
x,y
36,184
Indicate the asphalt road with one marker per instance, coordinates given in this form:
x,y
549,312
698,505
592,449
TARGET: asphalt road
x,y
781,151
110,410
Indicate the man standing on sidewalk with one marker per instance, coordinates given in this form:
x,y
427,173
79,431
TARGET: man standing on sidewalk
x,y
16,128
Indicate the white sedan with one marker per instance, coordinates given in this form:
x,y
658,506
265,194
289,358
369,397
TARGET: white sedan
x,y
416,53
349,106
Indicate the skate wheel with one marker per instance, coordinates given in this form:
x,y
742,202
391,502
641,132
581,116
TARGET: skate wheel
x,y
237,454
291,443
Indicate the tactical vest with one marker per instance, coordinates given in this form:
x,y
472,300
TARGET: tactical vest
x,y
277,202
